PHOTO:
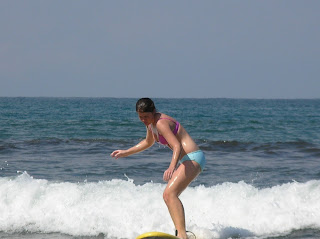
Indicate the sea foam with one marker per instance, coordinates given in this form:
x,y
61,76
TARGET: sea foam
x,y
122,209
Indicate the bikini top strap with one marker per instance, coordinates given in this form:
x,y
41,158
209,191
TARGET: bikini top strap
x,y
168,119
176,122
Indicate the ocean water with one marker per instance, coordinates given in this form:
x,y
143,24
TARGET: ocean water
x,y
57,180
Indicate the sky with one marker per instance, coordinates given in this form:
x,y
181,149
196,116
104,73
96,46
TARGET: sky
x,y
160,49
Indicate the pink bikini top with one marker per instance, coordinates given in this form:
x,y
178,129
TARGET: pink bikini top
x,y
162,140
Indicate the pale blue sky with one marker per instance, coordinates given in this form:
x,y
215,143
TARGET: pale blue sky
x,y
233,49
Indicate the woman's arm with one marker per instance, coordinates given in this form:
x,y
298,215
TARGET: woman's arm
x,y
143,145
164,129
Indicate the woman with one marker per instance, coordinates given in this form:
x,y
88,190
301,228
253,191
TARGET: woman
x,y
167,131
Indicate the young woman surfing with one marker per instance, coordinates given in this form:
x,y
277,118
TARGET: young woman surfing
x,y
166,130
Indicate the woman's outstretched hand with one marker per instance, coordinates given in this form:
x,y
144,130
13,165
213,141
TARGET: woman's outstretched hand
x,y
118,154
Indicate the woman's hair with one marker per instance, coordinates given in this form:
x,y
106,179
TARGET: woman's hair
x,y
145,105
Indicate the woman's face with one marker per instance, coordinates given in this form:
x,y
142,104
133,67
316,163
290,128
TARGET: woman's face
x,y
146,117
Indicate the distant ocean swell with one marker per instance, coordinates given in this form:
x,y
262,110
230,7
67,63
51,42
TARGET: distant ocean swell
x,y
308,148
121,209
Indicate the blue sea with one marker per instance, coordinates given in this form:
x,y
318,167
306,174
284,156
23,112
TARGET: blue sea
x,y
57,179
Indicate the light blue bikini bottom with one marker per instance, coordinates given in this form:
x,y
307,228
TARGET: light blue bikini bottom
x,y
197,156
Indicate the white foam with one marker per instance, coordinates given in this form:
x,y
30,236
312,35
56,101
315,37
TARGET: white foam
x,y
121,209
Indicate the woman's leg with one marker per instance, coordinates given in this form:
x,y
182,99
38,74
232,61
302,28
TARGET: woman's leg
x,y
181,178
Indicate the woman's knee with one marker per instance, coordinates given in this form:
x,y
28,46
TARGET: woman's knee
x,y
168,195
165,196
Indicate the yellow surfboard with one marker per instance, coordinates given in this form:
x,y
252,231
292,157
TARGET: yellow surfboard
x,y
156,235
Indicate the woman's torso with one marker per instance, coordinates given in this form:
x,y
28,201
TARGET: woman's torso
x,y
187,143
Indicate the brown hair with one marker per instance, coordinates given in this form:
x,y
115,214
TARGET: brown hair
x,y
145,105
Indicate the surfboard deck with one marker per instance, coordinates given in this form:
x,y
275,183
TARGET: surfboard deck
x,y
156,235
